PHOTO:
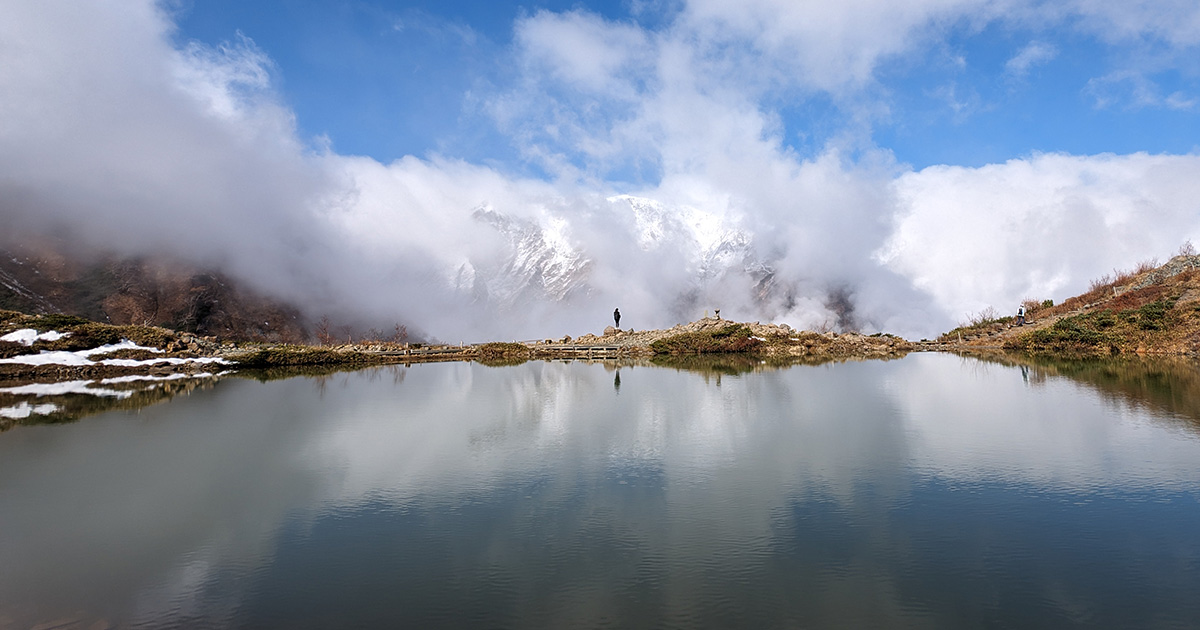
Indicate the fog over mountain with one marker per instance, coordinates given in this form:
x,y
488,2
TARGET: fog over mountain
x,y
655,176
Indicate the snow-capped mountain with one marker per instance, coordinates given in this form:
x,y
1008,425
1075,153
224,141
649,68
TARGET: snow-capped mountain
x,y
554,259
540,264
714,248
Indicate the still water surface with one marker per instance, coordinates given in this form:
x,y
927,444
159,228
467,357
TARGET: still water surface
x,y
929,492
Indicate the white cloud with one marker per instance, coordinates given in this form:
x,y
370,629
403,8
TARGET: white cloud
x,y
416,20
584,50
832,46
1174,22
1032,55
1041,227
229,78
962,102
1132,89
1180,101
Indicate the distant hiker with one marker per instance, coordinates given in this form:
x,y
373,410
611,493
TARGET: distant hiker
x,y
1021,315
617,317
718,313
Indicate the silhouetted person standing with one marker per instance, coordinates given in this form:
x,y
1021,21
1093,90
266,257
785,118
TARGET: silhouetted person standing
x,y
617,317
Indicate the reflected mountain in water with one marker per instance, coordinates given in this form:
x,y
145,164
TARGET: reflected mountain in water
x,y
1165,385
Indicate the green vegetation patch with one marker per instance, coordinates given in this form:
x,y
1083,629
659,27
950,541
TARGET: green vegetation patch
x,y
1102,331
503,354
1089,332
57,321
7,317
503,350
11,349
733,338
1155,315
303,355
91,335
84,334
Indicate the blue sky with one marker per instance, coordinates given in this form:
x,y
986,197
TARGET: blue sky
x,y
928,158
388,79
384,79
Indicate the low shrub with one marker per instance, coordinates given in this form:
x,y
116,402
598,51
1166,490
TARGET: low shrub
x,y
503,351
7,317
57,321
1101,331
11,349
302,355
82,337
733,338
1154,316
1079,334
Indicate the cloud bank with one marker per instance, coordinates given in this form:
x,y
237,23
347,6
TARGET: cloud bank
x,y
658,173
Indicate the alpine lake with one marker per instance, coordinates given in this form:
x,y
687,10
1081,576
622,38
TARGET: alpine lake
x,y
932,491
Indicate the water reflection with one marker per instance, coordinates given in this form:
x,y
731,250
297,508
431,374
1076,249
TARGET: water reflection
x,y
61,402
1163,385
932,491
69,401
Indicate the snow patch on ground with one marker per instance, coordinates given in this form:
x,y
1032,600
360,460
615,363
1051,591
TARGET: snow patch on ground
x,y
83,357
125,344
24,410
26,336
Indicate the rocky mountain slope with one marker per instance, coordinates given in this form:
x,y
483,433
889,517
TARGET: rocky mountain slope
x,y
1149,310
46,276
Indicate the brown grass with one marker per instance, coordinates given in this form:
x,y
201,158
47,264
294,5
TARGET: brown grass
x,y
1101,289
732,338
500,350
1138,298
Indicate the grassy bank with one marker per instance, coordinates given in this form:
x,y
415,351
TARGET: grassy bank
x,y
291,355
1151,320
729,339
85,334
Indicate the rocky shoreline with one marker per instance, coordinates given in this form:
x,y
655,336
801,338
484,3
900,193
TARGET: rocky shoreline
x,y
1154,310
